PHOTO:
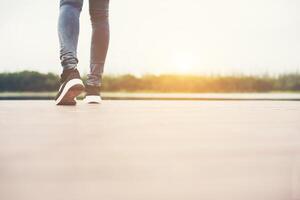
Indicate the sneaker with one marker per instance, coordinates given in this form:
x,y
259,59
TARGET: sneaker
x,y
92,94
71,86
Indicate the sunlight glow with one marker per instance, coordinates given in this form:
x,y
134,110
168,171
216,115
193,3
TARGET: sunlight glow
x,y
184,62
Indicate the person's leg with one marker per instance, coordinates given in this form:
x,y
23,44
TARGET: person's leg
x,y
99,11
68,31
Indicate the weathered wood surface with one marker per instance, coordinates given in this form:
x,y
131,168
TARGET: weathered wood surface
x,y
146,150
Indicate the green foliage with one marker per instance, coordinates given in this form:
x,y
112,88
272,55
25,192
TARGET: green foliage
x,y
201,84
37,82
28,81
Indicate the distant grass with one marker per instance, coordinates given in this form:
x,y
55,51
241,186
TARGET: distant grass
x,y
28,81
160,96
8,94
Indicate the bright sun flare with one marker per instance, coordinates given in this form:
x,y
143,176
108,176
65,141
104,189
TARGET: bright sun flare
x,y
184,62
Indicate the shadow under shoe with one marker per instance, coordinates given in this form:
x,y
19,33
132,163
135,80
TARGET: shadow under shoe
x,y
71,87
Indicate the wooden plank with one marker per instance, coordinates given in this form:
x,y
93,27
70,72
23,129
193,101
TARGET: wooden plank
x,y
150,150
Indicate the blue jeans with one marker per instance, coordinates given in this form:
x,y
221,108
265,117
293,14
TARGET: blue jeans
x,y
68,31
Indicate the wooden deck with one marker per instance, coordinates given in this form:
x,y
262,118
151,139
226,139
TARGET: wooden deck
x,y
150,150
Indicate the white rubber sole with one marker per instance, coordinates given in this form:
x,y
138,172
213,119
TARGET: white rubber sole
x,y
72,83
91,99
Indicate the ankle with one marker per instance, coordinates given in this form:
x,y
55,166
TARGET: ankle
x,y
92,90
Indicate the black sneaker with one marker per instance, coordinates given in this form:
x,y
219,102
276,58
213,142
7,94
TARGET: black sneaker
x,y
92,94
71,86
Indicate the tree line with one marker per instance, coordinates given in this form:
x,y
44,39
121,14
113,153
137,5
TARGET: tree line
x,y
31,81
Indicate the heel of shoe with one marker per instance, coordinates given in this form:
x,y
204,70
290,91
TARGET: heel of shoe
x,y
92,99
72,89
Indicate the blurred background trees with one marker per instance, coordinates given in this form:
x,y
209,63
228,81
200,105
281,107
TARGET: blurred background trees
x,y
31,81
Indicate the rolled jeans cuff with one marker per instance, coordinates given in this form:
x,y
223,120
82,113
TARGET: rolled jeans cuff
x,y
68,61
95,77
94,80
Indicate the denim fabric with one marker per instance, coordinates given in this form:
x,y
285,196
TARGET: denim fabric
x,y
68,31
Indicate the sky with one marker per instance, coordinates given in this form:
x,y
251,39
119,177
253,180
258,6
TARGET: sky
x,y
161,36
